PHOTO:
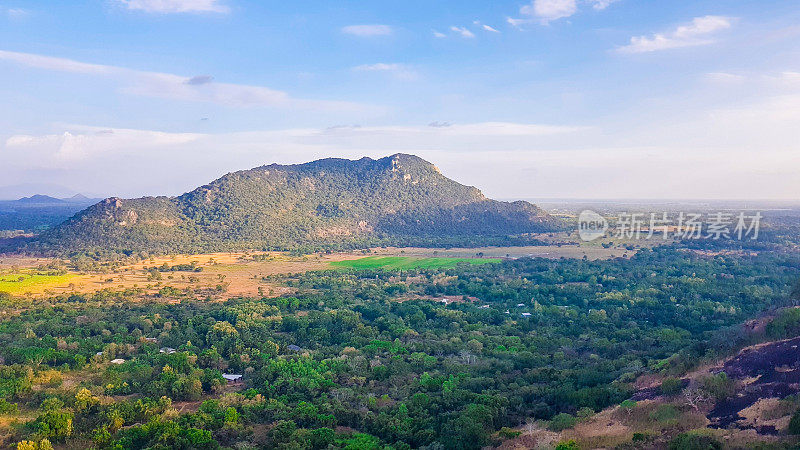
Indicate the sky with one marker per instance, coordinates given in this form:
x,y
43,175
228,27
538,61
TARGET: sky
x,y
650,99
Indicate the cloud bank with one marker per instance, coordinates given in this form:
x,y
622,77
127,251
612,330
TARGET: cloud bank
x,y
200,88
367,30
698,32
175,6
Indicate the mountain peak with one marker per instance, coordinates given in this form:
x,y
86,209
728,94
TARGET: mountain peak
x,y
332,202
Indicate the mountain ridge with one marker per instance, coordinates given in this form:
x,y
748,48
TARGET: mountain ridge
x,y
331,202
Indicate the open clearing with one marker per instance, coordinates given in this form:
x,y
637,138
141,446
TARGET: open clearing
x,y
233,274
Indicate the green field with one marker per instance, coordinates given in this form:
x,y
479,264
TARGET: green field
x,y
407,262
22,282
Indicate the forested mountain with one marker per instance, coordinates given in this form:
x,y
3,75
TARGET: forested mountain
x,y
400,199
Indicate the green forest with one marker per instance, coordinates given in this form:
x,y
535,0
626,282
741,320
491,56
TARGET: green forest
x,y
369,358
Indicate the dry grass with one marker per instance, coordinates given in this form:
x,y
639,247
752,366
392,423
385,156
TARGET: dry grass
x,y
233,274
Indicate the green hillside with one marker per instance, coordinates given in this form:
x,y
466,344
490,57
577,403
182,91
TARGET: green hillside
x,y
400,199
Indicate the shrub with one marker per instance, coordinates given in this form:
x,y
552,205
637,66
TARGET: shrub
x,y
718,386
562,422
694,441
794,423
671,386
664,414
568,445
508,433
7,407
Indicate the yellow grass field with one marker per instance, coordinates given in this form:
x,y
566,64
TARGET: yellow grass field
x,y
28,281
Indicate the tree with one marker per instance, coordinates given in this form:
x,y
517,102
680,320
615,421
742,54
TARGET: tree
x,y
794,423
322,437
54,424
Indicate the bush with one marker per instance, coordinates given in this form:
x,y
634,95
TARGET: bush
x,y
567,445
718,386
585,413
694,441
794,423
671,386
664,414
508,433
562,422
7,407
643,436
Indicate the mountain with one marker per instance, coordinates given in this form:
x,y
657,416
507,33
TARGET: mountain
x,y
40,200
39,212
400,200
80,198
15,191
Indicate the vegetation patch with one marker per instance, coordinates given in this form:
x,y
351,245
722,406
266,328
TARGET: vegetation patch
x,y
406,262
21,282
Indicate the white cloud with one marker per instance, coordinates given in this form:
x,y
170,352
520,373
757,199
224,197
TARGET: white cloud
x,y
16,13
176,6
200,88
549,10
602,4
517,23
439,34
693,34
80,142
438,130
485,27
724,78
462,31
745,150
56,64
400,71
791,77
367,30
114,161
546,11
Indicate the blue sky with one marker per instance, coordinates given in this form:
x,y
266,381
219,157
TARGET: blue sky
x,y
544,98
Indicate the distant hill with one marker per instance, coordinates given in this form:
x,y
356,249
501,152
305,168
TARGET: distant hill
x,y
401,199
15,191
80,198
39,200
39,212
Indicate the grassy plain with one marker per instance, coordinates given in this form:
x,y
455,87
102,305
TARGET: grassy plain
x,y
247,273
